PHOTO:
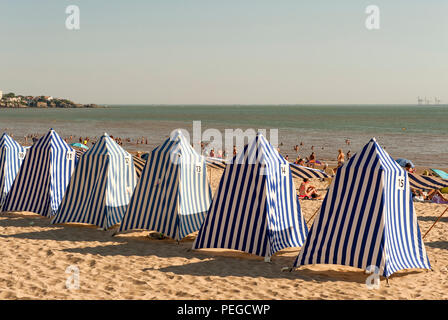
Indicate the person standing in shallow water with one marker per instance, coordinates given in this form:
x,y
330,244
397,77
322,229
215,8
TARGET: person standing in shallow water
x,y
312,160
341,158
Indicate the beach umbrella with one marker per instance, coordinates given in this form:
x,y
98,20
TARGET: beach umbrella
x,y
402,162
80,145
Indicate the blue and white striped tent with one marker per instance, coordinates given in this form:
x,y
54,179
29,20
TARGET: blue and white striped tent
x,y
173,194
43,177
101,186
367,218
256,208
11,158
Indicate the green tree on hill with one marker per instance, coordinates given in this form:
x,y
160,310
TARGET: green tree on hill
x,y
9,95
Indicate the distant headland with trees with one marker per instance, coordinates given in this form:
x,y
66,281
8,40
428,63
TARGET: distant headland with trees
x,y
11,100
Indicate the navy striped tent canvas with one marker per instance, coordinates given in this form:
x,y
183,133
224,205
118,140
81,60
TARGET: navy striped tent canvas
x,y
101,186
216,163
43,177
173,194
302,172
297,171
421,182
256,208
11,158
367,218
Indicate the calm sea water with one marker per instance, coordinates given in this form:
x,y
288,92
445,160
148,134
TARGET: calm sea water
x,y
418,133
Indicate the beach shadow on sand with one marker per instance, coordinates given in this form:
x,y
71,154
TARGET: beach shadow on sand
x,y
220,263
225,267
434,218
437,244
127,244
162,249
55,232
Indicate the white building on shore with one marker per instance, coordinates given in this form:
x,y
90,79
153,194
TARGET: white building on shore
x,y
1,94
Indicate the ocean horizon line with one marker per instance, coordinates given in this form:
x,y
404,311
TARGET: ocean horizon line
x,y
272,105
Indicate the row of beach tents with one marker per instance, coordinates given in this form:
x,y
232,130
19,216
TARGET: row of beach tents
x,y
367,217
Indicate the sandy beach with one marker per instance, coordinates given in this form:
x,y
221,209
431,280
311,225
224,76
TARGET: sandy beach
x,y
35,256
113,115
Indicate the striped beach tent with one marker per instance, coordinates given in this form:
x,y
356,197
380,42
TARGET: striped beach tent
x,y
101,186
297,171
422,182
139,164
255,209
11,158
43,177
173,194
216,163
367,218
302,172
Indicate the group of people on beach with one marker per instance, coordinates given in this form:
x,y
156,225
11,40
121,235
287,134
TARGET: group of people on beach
x,y
86,140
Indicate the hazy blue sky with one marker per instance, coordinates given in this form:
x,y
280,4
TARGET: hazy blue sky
x,y
226,52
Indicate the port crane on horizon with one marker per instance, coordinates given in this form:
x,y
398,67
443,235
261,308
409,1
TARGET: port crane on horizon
x,y
427,101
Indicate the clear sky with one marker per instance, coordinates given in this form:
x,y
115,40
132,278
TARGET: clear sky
x,y
226,51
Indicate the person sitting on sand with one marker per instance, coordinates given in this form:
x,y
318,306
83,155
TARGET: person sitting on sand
x,y
307,191
300,161
434,196
312,160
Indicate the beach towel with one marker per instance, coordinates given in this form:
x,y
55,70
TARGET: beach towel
x,y
440,173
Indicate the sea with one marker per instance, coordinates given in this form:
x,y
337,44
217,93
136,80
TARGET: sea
x,y
415,132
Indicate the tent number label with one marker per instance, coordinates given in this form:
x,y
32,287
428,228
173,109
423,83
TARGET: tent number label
x,y
70,155
21,155
284,170
400,183
198,167
127,160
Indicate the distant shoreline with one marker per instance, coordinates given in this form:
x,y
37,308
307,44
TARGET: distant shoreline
x,y
13,101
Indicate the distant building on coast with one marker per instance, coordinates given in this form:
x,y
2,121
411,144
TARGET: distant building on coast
x,y
1,95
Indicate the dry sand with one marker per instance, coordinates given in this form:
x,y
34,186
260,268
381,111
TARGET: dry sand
x,y
35,255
